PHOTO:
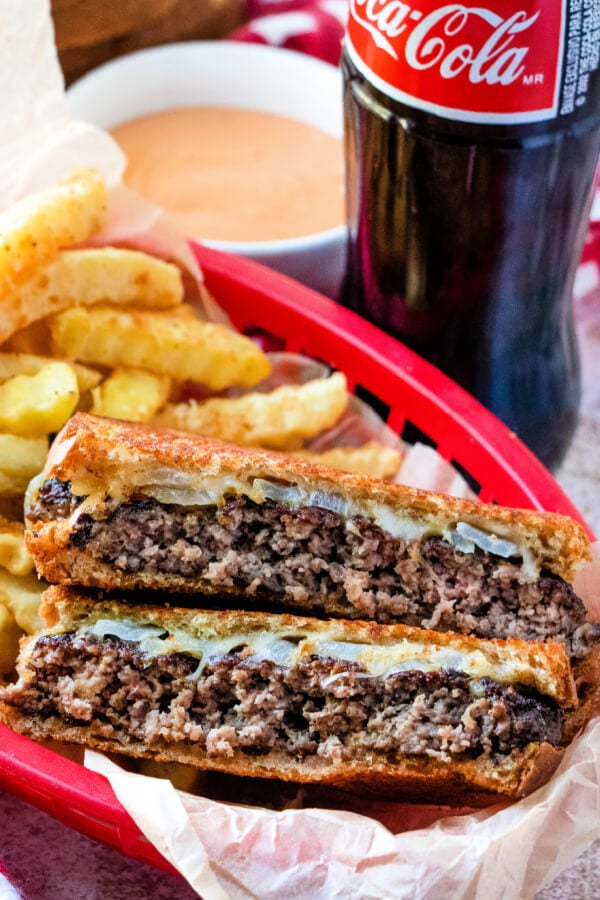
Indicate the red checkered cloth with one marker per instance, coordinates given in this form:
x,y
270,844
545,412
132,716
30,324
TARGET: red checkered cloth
x,y
315,27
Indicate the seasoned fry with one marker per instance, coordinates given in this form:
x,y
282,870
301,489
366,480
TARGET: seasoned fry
x,y
132,394
20,459
28,364
21,594
371,459
185,349
13,555
33,230
280,420
10,634
35,405
115,275
98,275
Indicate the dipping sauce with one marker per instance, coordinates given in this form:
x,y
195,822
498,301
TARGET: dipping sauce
x,y
236,174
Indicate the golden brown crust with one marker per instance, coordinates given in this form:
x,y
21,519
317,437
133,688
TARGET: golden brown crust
x,y
461,782
98,453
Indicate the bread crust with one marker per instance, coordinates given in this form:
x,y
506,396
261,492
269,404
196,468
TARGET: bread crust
x,y
99,455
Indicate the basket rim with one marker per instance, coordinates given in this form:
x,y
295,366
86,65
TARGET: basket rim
x,y
84,799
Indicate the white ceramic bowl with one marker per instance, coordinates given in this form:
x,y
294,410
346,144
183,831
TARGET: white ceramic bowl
x,y
233,74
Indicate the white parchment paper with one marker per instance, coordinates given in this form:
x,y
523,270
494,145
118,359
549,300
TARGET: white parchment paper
x,y
227,850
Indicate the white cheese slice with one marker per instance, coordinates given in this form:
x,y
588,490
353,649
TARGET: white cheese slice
x,y
170,486
376,660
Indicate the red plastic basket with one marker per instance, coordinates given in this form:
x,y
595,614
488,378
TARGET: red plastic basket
x,y
417,401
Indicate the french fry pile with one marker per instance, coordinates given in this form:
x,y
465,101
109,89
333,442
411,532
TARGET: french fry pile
x,y
108,330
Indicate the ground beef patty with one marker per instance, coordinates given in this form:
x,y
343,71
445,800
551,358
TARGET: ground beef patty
x,y
325,707
309,559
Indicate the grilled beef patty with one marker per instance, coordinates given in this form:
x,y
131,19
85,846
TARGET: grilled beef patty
x,y
309,559
239,702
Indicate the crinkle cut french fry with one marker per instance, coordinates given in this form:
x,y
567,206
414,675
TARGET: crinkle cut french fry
x,y
21,458
13,554
280,420
35,405
21,594
185,349
33,230
115,275
372,459
28,364
10,633
133,394
89,276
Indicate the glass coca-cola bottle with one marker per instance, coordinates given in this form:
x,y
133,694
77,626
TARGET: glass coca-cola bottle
x,y
472,135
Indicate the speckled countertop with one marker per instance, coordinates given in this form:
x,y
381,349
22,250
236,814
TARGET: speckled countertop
x,y
47,861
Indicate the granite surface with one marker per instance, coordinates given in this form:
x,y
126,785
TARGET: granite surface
x,y
47,861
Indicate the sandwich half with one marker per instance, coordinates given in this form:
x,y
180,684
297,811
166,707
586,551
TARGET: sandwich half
x,y
391,708
126,506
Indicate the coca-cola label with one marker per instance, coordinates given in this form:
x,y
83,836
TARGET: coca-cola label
x,y
493,61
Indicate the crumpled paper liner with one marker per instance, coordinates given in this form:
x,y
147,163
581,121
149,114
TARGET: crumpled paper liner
x,y
587,584
239,851
7,891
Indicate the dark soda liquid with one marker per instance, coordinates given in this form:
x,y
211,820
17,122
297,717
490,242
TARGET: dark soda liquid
x,y
464,241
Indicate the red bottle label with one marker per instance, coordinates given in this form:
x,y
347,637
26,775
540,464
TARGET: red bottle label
x,y
493,61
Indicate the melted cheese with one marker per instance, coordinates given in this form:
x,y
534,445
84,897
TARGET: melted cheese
x,y
289,649
184,489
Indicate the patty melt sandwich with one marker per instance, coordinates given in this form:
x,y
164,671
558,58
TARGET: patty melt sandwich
x,y
279,696
124,506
